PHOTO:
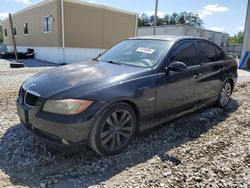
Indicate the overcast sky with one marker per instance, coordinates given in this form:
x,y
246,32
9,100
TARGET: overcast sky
x,y
219,15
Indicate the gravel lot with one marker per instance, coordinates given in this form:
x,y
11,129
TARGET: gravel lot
x,y
206,148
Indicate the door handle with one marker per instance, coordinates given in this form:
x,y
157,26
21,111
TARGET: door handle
x,y
222,68
197,75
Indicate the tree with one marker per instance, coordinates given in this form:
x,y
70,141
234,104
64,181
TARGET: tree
x,y
183,18
173,19
144,20
193,20
237,38
159,21
166,19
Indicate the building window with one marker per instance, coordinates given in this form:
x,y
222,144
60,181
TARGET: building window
x,y
5,33
47,24
14,30
25,28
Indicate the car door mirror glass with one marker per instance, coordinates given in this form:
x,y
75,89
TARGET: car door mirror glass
x,y
177,66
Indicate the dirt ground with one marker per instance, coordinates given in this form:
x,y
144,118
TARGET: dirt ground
x,y
209,148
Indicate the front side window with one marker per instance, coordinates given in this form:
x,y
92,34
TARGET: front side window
x,y
5,33
185,53
14,30
209,52
25,28
47,24
137,52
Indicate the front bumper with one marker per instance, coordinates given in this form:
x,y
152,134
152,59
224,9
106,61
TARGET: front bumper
x,y
55,141
60,132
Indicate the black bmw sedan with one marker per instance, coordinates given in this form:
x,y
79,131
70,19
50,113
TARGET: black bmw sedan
x,y
137,84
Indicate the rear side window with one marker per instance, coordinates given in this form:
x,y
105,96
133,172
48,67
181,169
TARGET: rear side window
x,y
220,54
186,53
209,52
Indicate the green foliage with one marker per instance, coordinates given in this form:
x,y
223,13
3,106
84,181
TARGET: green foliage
x,y
144,20
237,38
159,21
183,18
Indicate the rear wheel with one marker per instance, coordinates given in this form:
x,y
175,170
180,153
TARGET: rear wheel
x,y
113,130
225,94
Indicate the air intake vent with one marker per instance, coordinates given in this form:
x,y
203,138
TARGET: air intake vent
x,y
30,99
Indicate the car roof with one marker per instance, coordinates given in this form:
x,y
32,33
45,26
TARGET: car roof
x,y
171,38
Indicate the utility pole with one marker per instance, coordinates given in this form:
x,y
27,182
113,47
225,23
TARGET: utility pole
x,y
155,17
13,37
63,57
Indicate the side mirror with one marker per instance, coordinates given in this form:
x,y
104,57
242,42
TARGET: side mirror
x,y
177,66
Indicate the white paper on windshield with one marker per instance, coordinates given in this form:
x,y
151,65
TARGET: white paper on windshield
x,y
145,50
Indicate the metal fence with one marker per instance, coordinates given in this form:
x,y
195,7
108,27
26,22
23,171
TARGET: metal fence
x,y
235,48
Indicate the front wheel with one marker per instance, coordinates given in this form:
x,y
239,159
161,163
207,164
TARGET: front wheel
x,y
113,130
225,94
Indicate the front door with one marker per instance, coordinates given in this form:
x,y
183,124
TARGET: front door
x,y
179,91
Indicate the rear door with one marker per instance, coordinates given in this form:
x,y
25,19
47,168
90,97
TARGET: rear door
x,y
179,91
213,65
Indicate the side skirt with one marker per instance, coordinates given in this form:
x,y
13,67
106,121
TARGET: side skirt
x,y
157,122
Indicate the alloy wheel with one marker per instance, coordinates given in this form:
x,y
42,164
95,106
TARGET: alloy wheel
x,y
225,94
117,130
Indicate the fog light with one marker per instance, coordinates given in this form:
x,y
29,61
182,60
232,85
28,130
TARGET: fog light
x,y
65,142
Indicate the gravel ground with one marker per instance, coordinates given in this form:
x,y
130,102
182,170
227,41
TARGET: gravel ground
x,y
206,148
243,76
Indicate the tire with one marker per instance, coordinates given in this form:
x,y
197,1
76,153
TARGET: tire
x,y
110,135
225,94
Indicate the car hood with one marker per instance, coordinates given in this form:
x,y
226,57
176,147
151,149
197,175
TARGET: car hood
x,y
87,75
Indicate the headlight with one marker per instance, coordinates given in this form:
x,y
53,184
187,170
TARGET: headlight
x,y
66,106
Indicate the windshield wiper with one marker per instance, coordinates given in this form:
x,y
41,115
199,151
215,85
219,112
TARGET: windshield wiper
x,y
96,58
113,62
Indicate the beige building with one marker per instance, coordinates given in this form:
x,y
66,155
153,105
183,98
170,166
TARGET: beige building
x,y
69,30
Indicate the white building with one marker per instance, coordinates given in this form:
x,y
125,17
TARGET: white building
x,y
184,30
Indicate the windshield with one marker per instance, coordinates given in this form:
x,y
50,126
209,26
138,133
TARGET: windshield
x,y
139,53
